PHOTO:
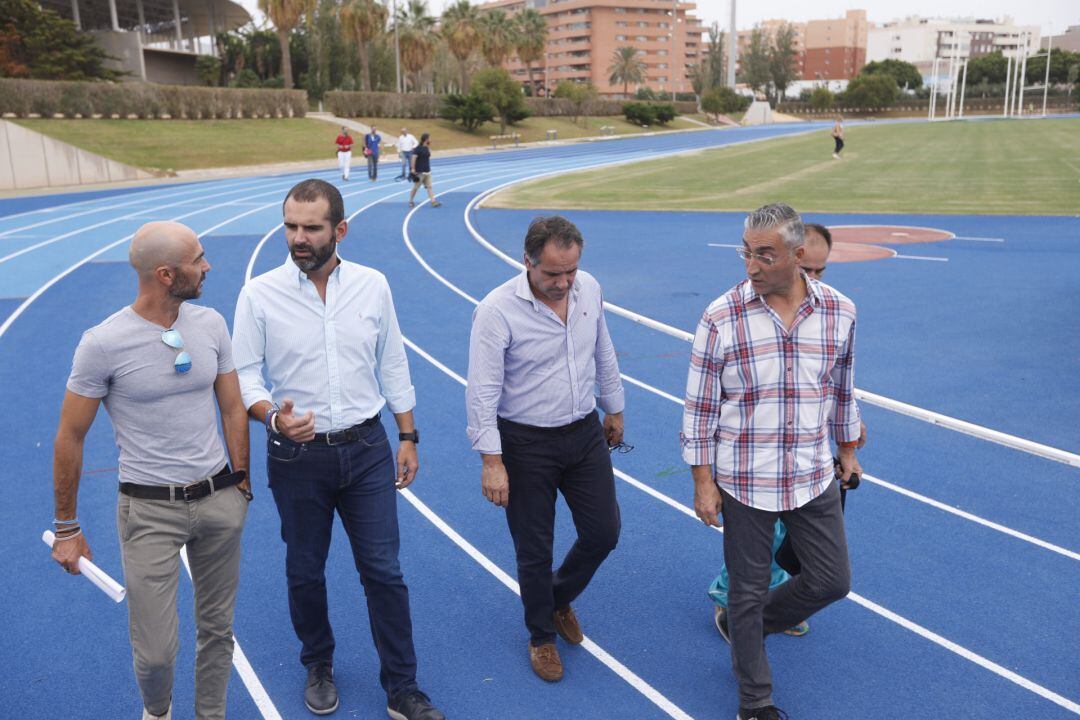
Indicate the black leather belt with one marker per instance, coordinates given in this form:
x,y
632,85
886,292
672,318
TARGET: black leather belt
x,y
188,493
342,437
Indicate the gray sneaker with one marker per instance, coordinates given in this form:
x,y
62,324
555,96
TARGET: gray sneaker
x,y
320,695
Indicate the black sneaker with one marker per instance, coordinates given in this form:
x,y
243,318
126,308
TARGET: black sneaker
x,y
720,620
320,695
769,712
413,705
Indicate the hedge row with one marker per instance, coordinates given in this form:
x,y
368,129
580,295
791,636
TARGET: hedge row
x,y
416,105
87,99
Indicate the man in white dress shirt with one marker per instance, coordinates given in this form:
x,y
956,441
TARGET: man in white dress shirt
x,y
406,143
324,332
539,348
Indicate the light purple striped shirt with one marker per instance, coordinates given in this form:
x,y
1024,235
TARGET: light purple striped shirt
x,y
527,366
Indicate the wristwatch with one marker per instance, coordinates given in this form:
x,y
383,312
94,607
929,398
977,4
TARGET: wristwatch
x,y
413,436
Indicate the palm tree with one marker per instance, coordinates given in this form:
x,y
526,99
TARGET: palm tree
x,y
286,14
363,21
532,30
461,29
626,67
498,36
416,38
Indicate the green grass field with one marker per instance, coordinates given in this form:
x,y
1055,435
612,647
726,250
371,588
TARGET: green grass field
x,y
191,144
988,167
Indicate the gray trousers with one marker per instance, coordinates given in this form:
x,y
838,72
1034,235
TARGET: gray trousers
x,y
817,536
152,532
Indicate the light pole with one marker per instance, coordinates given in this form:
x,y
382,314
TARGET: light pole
x,y
397,51
732,52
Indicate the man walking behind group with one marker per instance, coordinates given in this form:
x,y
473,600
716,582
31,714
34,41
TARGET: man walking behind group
x,y
344,152
406,143
158,365
325,333
372,142
771,376
540,361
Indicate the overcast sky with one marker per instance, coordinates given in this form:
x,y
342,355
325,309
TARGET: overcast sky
x,y
1053,15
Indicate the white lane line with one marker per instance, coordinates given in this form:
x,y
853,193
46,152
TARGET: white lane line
x,y
920,257
853,596
243,667
680,402
935,418
724,245
979,239
627,675
973,518
141,199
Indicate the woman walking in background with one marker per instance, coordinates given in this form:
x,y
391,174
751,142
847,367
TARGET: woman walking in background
x,y
838,136
421,170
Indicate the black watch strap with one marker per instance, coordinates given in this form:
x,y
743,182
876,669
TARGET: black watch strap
x,y
413,436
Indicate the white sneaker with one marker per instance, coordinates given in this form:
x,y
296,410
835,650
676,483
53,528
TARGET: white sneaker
x,y
147,716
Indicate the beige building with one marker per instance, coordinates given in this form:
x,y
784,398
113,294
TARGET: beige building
x,y
583,36
919,40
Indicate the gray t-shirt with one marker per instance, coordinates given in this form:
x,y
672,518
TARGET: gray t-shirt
x,y
165,421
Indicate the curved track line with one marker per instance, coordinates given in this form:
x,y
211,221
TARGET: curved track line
x,y
934,418
679,401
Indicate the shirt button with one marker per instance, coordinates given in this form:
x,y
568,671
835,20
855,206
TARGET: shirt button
x,y
789,369
789,423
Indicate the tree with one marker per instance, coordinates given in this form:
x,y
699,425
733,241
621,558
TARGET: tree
x,y
990,67
416,38
722,100
286,16
39,44
460,29
905,74
715,60
531,40
821,98
470,110
871,91
497,88
782,56
362,21
626,67
498,36
208,68
1060,62
578,93
756,70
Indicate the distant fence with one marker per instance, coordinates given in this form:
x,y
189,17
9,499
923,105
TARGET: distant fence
x,y
920,108
420,105
50,98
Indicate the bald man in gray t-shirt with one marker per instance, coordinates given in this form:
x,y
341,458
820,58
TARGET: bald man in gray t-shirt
x,y
159,366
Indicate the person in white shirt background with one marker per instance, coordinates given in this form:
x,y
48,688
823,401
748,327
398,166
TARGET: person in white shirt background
x,y
406,143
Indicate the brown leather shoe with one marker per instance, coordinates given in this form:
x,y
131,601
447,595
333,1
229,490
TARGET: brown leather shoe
x,y
545,662
567,626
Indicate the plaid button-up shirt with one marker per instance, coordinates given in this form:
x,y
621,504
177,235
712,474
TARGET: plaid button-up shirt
x,y
761,400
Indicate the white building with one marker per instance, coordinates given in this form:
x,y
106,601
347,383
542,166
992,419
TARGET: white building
x,y
919,40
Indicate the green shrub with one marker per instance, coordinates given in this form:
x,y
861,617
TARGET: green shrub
x,y
468,110
639,113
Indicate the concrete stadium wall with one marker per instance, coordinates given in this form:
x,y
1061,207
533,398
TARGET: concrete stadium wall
x,y
29,159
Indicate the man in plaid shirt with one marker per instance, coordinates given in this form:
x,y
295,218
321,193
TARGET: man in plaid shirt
x,y
771,375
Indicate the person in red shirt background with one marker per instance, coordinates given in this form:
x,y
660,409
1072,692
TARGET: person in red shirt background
x,y
344,152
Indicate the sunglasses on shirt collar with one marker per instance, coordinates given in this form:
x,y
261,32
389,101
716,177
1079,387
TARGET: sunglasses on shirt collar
x,y
173,339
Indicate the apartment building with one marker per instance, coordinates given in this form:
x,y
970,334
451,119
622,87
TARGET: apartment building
x,y
829,49
583,36
920,40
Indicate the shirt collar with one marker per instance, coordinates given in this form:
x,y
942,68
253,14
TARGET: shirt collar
x,y
524,291
813,291
298,276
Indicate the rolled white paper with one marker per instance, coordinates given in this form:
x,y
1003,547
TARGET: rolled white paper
x,y
93,573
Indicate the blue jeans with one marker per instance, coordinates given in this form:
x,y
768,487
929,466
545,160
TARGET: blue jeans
x,y
311,481
406,158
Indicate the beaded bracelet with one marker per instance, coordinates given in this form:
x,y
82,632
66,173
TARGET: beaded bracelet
x,y
68,537
73,521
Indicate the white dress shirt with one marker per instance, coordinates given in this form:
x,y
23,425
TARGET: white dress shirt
x,y
528,366
407,143
343,359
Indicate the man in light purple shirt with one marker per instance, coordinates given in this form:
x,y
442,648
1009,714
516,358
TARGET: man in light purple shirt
x,y
540,361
